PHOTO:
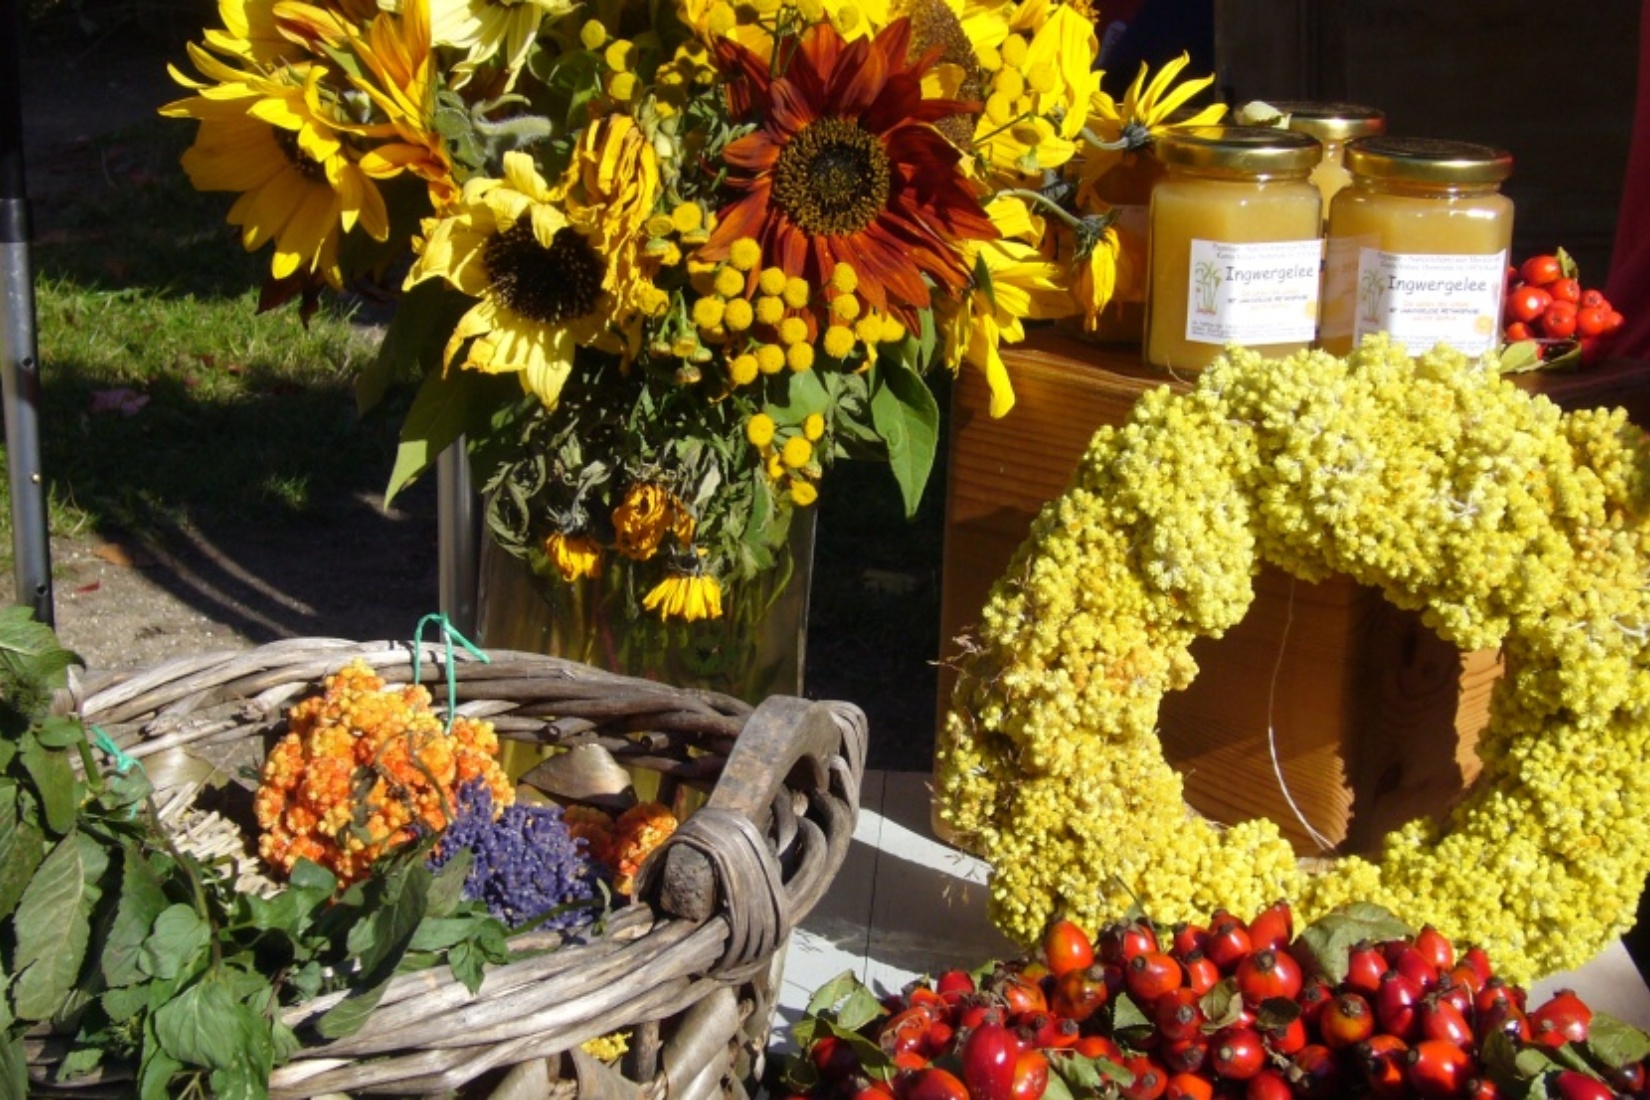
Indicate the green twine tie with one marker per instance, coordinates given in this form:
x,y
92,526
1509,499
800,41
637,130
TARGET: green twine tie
x,y
102,740
449,634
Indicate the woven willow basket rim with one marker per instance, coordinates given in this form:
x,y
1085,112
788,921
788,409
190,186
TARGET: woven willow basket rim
x,y
692,968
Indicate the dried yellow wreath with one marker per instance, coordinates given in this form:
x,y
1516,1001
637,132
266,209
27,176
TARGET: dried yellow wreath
x,y
1504,520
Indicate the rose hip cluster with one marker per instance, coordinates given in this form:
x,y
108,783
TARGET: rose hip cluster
x,y
1546,302
1233,1009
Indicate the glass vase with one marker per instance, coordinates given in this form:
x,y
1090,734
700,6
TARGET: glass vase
x,y
755,649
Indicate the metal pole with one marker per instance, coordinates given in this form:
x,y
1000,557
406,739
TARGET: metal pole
x,y
19,353
458,534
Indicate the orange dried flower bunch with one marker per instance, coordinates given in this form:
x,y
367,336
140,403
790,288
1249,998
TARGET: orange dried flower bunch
x,y
361,767
618,846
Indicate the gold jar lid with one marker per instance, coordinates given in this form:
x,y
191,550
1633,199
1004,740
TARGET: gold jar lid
x,y
1331,121
1427,160
1251,150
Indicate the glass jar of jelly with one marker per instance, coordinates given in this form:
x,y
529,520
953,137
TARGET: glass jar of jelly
x,y
1333,124
1417,245
1235,245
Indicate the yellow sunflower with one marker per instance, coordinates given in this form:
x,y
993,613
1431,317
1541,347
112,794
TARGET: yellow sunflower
x,y
1034,111
271,138
1021,283
542,289
686,596
488,30
1148,108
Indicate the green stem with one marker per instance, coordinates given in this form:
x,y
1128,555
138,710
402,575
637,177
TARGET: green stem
x,y
1071,220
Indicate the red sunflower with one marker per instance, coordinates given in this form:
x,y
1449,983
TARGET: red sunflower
x,y
846,166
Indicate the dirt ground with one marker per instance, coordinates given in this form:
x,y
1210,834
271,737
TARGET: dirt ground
x,y
352,570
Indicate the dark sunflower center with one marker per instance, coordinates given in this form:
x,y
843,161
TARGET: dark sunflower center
x,y
548,285
832,178
307,166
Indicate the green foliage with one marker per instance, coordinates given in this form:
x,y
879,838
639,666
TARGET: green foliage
x,y
137,952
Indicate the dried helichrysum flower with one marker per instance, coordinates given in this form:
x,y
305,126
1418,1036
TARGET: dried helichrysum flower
x,y
637,832
1434,479
362,769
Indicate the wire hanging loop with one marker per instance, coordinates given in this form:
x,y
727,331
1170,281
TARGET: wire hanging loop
x,y
448,635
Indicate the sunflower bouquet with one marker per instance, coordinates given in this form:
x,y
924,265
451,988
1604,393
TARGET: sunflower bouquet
x,y
659,264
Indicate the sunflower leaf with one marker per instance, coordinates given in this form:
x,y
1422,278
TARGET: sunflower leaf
x,y
907,418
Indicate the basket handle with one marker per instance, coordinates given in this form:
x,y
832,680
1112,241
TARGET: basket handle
x,y
721,853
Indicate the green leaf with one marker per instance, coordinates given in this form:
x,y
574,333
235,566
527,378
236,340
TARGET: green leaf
x,y
53,926
155,1074
468,964
124,1003
30,648
346,1017
1223,1004
179,938
447,888
241,1081
198,1026
1616,1043
833,993
60,732
414,341
1329,939
805,394
380,939
859,1008
52,772
14,1066
907,417
1088,1075
1532,1061
444,409
142,899
22,847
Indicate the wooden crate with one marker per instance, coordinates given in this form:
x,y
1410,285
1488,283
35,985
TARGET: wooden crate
x,y
1371,716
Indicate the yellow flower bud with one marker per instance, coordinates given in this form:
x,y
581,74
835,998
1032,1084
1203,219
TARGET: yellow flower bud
x,y
844,279
707,312
622,86
792,330
593,35
770,358
839,341
800,357
743,369
687,217
771,281
659,225
769,310
845,307
738,315
759,430
796,293
1009,82
813,427
729,282
1014,49
797,452
745,253
619,55
803,492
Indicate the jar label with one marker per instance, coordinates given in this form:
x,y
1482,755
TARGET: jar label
x,y
1254,293
1421,299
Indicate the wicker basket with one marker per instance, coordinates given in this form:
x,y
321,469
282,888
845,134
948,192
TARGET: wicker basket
x,y
692,969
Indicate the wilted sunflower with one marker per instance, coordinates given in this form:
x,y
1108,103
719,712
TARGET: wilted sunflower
x,y
686,596
845,165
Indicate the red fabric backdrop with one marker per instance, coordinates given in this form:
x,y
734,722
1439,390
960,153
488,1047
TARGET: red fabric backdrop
x,y
1629,284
